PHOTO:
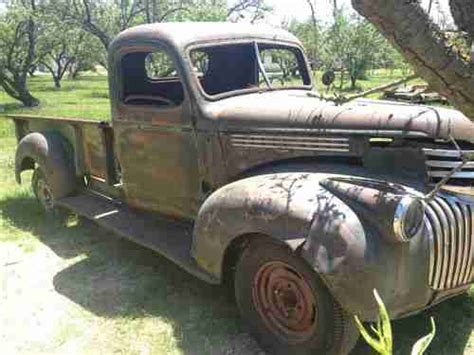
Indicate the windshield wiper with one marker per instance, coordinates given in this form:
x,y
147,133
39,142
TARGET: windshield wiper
x,y
260,65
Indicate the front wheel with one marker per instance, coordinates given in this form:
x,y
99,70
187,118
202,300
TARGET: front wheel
x,y
286,306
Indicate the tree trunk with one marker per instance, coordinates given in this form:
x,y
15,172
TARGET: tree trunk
x,y
28,100
57,82
18,90
341,79
353,81
31,71
463,12
409,28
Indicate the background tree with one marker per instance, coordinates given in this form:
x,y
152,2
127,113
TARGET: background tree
x,y
18,31
87,52
350,45
251,10
408,26
309,33
54,44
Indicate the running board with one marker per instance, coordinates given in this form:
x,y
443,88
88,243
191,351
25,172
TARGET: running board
x,y
169,238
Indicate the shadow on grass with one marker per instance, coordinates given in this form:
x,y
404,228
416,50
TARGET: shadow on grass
x,y
121,279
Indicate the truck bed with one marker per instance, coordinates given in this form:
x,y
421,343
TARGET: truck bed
x,y
91,142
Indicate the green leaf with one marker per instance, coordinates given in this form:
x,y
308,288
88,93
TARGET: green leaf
x,y
422,344
374,343
385,320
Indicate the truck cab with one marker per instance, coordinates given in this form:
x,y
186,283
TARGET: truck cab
x,y
221,157
165,91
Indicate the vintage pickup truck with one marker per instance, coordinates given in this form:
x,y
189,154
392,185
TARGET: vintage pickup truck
x,y
222,158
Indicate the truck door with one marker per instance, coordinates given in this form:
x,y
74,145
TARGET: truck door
x,y
155,140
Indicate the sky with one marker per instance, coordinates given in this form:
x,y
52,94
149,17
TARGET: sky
x,y
286,10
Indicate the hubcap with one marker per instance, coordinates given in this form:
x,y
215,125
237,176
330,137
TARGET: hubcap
x,y
44,194
285,301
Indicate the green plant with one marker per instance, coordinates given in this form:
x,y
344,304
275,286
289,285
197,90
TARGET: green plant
x,y
382,341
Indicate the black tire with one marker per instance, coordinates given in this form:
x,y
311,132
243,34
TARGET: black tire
x,y
286,306
42,190
44,194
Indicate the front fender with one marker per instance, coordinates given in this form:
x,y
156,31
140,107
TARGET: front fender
x,y
350,253
281,206
354,256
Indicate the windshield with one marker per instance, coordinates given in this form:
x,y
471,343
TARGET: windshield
x,y
261,66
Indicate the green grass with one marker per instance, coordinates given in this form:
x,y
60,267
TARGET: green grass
x,y
78,289
375,78
87,97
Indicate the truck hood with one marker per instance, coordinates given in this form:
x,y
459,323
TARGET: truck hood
x,y
286,109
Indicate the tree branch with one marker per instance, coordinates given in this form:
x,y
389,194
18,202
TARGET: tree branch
x,y
169,12
421,42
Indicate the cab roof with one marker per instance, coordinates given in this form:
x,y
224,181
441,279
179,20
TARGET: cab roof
x,y
181,34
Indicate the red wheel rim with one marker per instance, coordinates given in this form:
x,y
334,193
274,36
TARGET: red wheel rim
x,y
284,301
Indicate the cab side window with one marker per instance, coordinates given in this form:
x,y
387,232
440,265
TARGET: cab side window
x,y
151,78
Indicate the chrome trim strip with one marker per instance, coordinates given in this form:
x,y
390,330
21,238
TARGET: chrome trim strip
x,y
440,264
291,147
431,242
445,245
255,141
444,152
467,243
459,236
460,174
451,225
471,248
291,138
448,163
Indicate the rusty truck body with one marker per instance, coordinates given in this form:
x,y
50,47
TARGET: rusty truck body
x,y
220,157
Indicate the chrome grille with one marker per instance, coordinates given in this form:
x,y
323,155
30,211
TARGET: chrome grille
x,y
285,142
439,162
449,221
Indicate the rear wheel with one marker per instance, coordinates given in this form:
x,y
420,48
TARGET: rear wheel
x,y
45,196
42,190
287,307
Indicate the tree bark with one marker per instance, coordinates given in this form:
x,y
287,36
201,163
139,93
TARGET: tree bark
x,y
27,99
18,90
409,28
463,15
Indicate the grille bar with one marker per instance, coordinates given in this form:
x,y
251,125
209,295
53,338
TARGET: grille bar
x,y
449,222
459,175
448,164
283,142
440,162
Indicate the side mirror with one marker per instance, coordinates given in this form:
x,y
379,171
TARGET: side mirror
x,y
328,77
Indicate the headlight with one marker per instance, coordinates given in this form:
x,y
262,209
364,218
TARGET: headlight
x,y
408,218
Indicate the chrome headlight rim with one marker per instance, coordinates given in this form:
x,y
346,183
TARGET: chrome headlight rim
x,y
400,218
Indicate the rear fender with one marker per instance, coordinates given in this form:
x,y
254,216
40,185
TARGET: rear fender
x,y
53,154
